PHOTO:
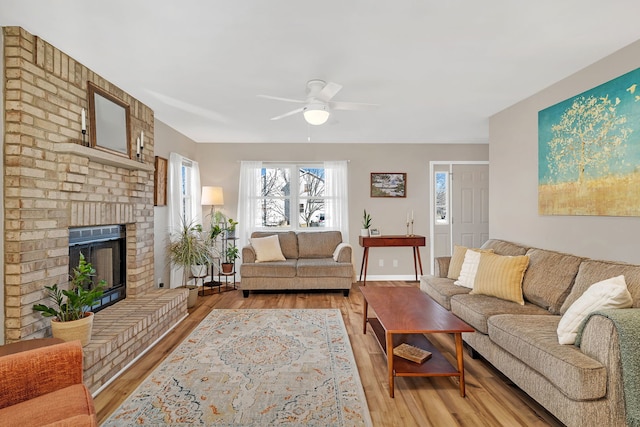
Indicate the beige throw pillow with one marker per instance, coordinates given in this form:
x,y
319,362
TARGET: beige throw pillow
x,y
501,276
610,293
267,249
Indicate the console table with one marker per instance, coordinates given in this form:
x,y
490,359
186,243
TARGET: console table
x,y
391,241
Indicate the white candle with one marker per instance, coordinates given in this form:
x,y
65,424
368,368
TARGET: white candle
x,y
411,214
84,120
138,146
407,216
142,139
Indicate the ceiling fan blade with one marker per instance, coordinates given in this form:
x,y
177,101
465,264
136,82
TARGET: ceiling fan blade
x,y
278,98
329,91
290,113
352,106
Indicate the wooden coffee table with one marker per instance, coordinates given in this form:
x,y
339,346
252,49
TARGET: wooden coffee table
x,y
404,315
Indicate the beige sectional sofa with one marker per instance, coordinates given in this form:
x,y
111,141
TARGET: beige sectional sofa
x,y
581,386
313,260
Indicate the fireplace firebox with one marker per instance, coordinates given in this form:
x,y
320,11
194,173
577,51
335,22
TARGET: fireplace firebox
x,y
105,248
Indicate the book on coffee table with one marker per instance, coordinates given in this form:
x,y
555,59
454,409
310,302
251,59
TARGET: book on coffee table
x,y
412,353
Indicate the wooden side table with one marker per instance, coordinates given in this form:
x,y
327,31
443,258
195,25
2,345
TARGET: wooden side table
x,y
414,241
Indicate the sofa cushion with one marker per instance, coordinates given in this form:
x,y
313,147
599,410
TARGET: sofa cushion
x,y
441,289
533,340
267,248
269,269
592,271
549,277
501,276
469,269
288,241
73,402
476,309
318,244
609,293
502,247
323,267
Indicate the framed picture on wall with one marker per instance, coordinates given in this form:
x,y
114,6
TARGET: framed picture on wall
x,y
388,184
160,181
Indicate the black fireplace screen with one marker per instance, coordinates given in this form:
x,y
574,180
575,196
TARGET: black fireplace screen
x,y
105,248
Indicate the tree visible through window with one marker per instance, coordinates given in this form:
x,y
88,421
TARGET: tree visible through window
x,y
442,198
297,203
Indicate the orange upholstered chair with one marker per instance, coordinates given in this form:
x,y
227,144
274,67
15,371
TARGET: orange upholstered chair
x,y
44,386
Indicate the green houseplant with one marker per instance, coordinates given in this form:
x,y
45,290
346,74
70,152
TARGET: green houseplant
x,y
71,319
231,228
187,248
366,224
231,253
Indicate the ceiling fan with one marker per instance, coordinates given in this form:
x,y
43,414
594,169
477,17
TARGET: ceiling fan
x,y
318,104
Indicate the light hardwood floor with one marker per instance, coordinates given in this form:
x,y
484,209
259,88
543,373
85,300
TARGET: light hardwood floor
x,y
491,400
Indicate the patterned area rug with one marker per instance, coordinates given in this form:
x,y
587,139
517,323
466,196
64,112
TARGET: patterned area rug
x,y
254,368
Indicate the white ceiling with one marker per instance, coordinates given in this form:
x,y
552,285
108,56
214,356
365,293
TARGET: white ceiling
x,y
438,69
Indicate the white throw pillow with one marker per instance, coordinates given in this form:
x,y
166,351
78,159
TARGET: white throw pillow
x,y
609,293
469,269
267,249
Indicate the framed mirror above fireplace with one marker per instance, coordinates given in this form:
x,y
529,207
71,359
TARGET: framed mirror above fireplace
x,y
109,122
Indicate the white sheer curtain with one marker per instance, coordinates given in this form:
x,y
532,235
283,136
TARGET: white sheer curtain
x,y
337,197
191,208
248,195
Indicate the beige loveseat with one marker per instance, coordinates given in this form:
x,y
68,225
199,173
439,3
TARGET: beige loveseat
x,y
580,385
313,260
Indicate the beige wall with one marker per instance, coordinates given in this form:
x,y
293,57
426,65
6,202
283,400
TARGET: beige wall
x,y
220,166
513,154
167,140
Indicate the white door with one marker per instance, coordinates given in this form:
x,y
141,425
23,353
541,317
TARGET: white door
x,y
463,218
470,205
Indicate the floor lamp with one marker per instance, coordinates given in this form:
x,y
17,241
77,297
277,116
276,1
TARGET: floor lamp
x,y
212,196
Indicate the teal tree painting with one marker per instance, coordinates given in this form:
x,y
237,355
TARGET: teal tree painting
x,y
589,151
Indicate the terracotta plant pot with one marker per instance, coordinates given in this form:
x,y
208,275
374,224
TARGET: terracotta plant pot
x,y
227,267
74,330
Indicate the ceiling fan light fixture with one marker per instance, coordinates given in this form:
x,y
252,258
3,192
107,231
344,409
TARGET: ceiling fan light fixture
x,y
316,114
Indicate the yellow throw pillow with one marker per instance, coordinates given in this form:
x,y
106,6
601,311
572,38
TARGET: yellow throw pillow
x,y
457,259
501,276
267,249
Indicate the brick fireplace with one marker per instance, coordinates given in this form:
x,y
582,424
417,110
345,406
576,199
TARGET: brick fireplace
x,y
52,183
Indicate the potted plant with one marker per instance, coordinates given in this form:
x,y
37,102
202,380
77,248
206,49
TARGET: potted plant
x,y
71,318
231,228
188,249
230,255
366,224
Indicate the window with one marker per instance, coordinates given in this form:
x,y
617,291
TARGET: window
x,y
292,203
442,198
183,185
186,186
293,196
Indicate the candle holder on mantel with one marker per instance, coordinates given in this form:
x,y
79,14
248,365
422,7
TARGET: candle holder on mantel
x,y
84,138
408,229
411,233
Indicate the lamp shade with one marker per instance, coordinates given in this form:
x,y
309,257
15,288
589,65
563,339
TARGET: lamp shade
x,y
212,196
316,114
